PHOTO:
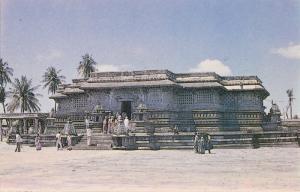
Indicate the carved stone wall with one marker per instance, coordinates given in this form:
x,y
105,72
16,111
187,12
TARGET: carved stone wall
x,y
241,101
208,108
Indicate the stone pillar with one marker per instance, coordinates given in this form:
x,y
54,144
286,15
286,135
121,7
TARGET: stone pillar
x,y
24,126
1,132
36,125
10,126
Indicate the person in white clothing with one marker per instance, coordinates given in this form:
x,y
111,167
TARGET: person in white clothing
x,y
126,124
87,123
69,141
58,141
18,142
89,136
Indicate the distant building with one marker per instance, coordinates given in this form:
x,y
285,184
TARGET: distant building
x,y
190,101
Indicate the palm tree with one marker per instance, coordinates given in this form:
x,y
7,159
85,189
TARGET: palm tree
x,y
23,96
86,66
291,98
5,73
3,97
52,80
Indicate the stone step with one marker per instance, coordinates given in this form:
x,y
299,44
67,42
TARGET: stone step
x,y
97,141
142,145
175,141
97,138
174,144
282,144
44,144
142,142
176,147
144,148
94,137
233,146
281,139
92,148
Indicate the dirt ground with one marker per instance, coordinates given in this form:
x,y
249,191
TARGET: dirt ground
x,y
264,169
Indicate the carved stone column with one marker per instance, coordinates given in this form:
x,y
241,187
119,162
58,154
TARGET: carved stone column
x,y
1,132
24,126
36,125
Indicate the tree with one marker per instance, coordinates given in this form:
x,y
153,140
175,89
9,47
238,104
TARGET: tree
x,y
86,66
5,74
3,98
23,96
291,98
52,80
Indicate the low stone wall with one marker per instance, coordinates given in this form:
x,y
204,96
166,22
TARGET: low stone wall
x,y
219,140
291,124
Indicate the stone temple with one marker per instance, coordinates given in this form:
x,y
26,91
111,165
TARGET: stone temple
x,y
205,102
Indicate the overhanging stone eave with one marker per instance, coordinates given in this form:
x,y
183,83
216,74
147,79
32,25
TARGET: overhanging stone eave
x,y
263,90
124,86
58,97
205,87
73,93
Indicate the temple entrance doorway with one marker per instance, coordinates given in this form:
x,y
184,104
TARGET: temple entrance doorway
x,y
126,108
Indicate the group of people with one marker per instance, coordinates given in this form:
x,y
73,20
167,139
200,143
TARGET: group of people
x,y
112,123
59,142
202,143
116,123
19,140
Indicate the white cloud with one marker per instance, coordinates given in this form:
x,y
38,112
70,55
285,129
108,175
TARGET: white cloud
x,y
291,52
212,65
49,56
107,68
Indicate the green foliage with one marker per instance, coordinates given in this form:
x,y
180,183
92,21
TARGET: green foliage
x,y
23,96
86,66
5,74
52,79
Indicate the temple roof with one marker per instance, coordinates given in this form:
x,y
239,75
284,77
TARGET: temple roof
x,y
128,84
71,90
58,95
160,78
200,85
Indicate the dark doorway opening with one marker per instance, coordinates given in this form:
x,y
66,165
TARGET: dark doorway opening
x,y
126,108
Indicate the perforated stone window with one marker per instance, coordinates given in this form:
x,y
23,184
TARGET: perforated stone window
x,y
79,102
185,98
204,96
155,97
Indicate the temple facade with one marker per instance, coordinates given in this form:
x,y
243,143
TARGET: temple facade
x,y
191,101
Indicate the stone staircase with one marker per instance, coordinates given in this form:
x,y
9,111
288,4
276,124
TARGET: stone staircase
x,y
29,139
99,141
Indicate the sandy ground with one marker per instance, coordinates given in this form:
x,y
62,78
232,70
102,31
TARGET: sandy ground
x,y
264,169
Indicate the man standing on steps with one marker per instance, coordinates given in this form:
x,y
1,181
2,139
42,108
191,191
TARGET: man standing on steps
x,y
126,124
88,131
105,125
58,141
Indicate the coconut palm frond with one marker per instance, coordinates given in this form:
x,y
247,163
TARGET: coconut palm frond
x,y
6,73
52,79
23,96
86,66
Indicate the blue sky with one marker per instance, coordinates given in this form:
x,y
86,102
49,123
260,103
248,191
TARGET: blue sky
x,y
235,37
